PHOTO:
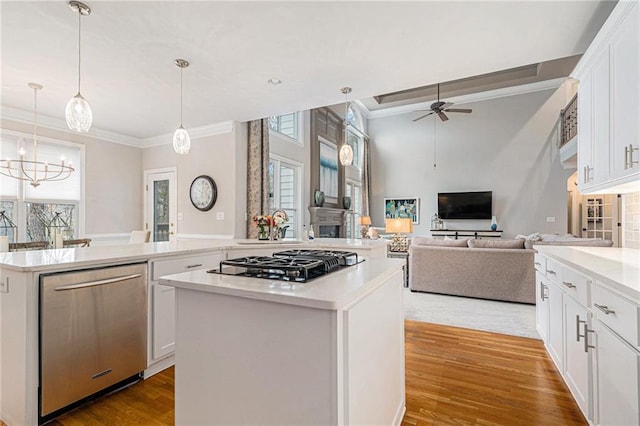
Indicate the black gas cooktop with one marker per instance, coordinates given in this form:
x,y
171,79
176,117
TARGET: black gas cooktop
x,y
290,265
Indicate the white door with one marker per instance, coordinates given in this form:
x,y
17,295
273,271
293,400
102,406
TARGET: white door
x,y
556,326
161,207
542,307
600,217
576,369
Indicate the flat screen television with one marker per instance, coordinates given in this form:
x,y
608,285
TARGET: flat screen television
x,y
464,205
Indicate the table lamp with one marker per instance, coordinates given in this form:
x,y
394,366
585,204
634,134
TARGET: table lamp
x,y
365,222
399,227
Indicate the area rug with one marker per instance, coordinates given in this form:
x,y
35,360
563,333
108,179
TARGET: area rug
x,y
515,319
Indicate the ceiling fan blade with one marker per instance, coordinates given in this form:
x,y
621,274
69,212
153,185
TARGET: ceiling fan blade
x,y
442,116
446,105
422,116
466,110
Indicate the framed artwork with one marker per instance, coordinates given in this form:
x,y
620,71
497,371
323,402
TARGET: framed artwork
x,y
594,210
401,208
329,171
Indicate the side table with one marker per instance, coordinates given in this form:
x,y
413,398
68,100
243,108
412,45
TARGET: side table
x,y
401,255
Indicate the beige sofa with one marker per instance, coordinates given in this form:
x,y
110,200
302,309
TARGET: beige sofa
x,y
463,268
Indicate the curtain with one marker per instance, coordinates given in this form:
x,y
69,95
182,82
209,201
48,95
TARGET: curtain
x,y
366,177
257,173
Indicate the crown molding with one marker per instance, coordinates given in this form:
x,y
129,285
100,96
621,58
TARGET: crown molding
x,y
473,97
52,123
220,128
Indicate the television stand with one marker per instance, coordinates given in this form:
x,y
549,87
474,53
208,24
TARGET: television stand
x,y
465,233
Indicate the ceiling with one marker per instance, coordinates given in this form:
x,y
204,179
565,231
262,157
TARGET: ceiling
x,y
315,48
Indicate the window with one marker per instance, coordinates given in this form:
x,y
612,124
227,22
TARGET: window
x,y
285,124
284,191
34,209
354,135
354,190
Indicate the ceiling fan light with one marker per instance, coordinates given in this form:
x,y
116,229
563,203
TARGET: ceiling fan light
x,y
78,114
346,155
181,141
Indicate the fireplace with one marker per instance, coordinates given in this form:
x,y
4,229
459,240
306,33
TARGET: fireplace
x,y
328,222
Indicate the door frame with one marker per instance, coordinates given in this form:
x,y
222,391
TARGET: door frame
x,y
173,199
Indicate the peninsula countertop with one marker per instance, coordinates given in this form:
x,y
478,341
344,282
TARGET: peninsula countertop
x,y
67,258
618,268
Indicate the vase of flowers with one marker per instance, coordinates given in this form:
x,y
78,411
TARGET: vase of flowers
x,y
263,222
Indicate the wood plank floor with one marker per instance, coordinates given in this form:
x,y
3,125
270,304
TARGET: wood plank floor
x,y
454,376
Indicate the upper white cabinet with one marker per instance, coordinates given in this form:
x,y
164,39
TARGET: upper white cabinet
x,y
609,106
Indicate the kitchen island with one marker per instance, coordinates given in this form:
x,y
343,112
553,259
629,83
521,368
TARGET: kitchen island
x,y
261,351
20,274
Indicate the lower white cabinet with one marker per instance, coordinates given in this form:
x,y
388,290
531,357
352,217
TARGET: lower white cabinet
x,y
577,364
618,377
556,328
542,307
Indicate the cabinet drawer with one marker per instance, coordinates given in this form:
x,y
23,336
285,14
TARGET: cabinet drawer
x,y
576,285
540,262
618,313
553,271
183,264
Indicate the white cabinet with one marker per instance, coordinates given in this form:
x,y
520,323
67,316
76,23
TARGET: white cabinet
x,y
617,377
577,357
609,105
163,316
556,327
542,307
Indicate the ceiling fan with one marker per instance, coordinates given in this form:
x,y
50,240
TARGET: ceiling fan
x,y
440,108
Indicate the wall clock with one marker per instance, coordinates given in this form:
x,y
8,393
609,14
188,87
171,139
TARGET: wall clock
x,y
203,193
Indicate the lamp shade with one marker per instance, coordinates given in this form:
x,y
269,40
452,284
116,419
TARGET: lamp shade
x,y
399,226
365,220
78,114
181,141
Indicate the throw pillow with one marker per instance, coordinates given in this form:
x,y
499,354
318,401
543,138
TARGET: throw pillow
x,y
422,241
498,244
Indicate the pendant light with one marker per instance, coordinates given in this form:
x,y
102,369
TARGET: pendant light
x,y
181,139
32,170
78,112
346,152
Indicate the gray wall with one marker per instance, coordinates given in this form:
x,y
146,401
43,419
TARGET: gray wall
x,y
507,145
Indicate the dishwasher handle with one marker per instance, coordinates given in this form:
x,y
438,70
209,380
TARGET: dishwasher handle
x,y
97,282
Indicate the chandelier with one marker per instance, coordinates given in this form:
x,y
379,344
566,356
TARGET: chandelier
x,y
34,171
181,139
78,112
346,152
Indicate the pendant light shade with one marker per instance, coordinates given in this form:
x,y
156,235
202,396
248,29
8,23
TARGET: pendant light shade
x,y
181,139
78,112
346,152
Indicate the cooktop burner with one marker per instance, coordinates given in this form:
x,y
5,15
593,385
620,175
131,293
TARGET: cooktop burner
x,y
289,265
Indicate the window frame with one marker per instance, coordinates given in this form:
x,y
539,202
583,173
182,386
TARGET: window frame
x,y
299,139
299,172
20,209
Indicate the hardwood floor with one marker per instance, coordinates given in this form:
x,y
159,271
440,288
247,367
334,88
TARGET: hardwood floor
x,y
454,376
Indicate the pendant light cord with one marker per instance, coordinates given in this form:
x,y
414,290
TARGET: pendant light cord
x,y
35,126
79,39
181,69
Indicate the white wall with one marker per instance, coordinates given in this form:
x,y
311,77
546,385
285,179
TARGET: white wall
x,y
507,145
220,156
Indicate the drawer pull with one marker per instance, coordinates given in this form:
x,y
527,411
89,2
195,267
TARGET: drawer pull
x,y
604,309
197,265
568,284
543,295
586,338
549,271
578,322
537,263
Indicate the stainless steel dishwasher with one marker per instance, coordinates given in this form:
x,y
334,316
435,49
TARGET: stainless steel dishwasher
x,y
93,334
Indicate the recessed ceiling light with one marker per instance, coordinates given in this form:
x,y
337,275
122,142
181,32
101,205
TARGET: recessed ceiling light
x,y
274,81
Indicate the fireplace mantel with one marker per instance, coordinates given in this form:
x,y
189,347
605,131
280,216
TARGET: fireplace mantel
x,y
328,221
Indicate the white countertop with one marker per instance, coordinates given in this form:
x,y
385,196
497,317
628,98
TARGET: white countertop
x,y
332,291
618,268
61,259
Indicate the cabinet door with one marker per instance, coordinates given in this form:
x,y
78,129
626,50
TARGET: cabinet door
x,y
164,320
601,119
625,96
542,308
577,360
585,130
556,328
618,379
